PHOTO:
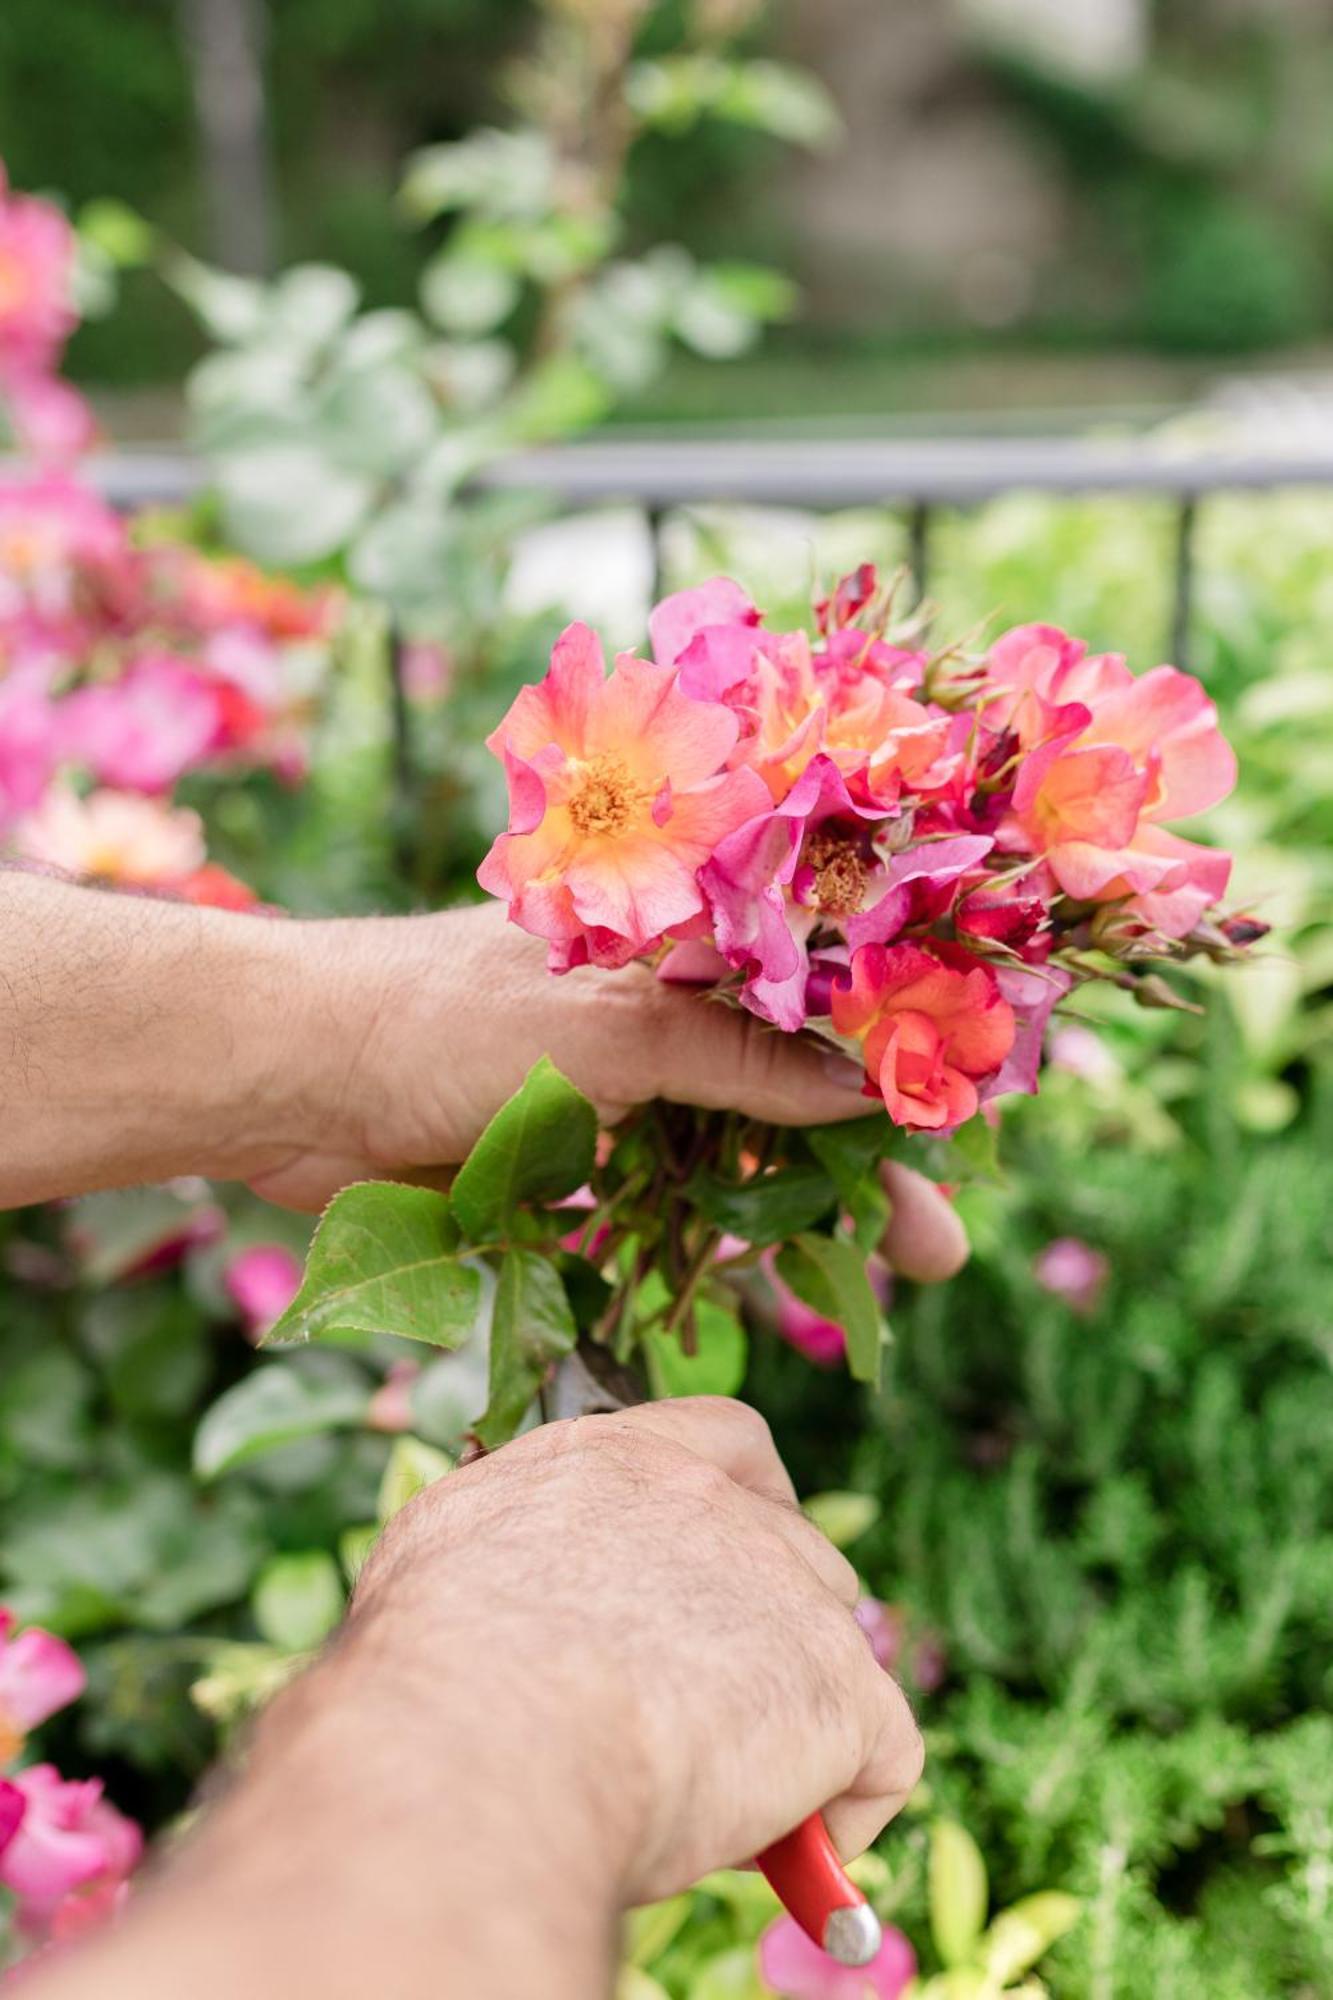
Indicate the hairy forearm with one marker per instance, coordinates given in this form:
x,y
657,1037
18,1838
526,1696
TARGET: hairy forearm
x,y
360,1853
139,1039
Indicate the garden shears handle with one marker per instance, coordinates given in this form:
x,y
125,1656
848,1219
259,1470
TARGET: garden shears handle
x,y
805,1874
802,1868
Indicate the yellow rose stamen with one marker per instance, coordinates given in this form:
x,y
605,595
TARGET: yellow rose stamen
x,y
606,798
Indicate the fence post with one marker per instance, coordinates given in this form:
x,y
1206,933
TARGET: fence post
x,y
402,763
655,518
918,546
1182,602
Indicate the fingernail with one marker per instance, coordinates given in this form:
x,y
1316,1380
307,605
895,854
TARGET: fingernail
x,y
842,1071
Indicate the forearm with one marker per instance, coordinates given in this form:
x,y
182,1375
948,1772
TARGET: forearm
x,y
353,1857
139,1039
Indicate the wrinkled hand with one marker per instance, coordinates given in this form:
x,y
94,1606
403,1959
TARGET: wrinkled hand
x,y
415,1030
645,1592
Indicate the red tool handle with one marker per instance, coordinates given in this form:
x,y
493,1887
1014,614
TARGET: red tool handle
x,y
805,1873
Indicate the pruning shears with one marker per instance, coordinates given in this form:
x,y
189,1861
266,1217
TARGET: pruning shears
x,y
803,1868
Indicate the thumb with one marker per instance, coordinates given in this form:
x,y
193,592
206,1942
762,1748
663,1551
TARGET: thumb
x,y
720,1058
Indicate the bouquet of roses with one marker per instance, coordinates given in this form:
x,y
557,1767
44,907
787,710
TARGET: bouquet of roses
x,y
913,854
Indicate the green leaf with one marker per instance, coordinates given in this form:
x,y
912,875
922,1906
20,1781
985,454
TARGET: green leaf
x,y
1020,1934
768,1209
829,1274
850,1155
539,1146
297,1600
958,1891
354,1545
648,1931
674,92
718,1367
385,1259
843,1517
275,1405
411,1468
531,1327
118,231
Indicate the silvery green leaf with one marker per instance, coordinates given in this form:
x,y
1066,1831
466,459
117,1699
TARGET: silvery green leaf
x,y
311,303
403,556
288,504
497,173
377,420
469,374
466,294
391,334
230,308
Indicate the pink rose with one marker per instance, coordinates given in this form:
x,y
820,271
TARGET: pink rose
x,y
618,793
262,1281
38,1675
1072,1270
933,1027
798,1970
66,1837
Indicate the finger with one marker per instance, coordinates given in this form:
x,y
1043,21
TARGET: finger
x,y
924,1239
891,1769
721,1058
728,1434
800,1533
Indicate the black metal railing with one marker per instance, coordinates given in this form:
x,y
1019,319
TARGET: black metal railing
x,y
916,476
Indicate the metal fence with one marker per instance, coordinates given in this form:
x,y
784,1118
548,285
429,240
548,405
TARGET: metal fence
x,y
918,476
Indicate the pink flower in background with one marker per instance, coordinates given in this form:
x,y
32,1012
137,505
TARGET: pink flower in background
x,y
884,1626
1083,1053
1072,1270
37,251
262,1281
391,1405
112,837
52,421
27,743
65,1838
426,671
65,556
143,731
617,796
913,1654
38,1675
820,1340
932,1030
796,1969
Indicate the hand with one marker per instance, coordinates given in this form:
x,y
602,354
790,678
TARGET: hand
x,y
416,1030
703,1681
576,1674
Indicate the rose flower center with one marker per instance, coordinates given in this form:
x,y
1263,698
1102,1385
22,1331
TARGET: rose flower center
x,y
840,874
605,799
